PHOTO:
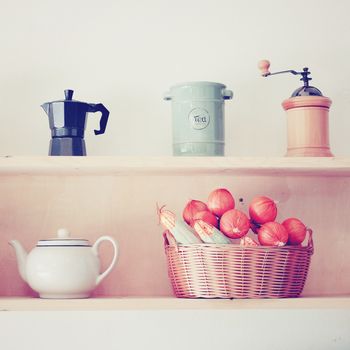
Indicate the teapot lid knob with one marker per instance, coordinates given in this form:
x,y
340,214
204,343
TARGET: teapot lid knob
x,y
68,94
63,233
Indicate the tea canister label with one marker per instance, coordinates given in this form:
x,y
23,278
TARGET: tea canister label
x,y
199,118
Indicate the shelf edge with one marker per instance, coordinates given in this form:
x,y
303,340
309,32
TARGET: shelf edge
x,y
166,303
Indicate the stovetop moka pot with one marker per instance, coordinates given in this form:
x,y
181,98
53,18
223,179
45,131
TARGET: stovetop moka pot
x,y
67,120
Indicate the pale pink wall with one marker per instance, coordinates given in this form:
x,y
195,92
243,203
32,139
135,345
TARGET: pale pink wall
x,y
33,207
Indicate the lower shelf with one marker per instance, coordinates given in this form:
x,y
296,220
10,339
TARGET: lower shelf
x,y
115,303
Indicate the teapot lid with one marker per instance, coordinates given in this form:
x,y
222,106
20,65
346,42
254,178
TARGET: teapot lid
x,y
63,240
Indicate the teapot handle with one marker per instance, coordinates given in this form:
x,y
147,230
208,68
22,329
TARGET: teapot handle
x,y
99,107
115,256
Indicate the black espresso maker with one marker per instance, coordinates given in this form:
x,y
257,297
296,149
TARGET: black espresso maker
x,y
67,120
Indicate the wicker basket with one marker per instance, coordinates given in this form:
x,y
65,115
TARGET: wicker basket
x,y
234,271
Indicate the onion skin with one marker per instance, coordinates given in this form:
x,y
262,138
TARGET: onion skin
x,y
296,231
234,224
262,210
191,209
220,201
273,234
207,217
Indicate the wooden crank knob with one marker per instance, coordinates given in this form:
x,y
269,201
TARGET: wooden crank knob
x,y
264,66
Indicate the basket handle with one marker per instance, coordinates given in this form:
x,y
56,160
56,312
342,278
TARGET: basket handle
x,y
310,242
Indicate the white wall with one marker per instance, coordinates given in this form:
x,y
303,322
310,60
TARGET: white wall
x,y
127,53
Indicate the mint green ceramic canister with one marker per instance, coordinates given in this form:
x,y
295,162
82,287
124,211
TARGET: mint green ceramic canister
x,y
198,118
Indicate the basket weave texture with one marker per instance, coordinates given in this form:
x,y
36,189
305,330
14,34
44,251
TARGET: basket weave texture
x,y
234,271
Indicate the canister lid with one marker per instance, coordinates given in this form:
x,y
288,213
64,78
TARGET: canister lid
x,y
63,240
198,83
198,90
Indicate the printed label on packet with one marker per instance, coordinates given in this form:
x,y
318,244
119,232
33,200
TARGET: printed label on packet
x,y
199,118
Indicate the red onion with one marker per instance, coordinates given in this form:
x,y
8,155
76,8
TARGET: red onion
x,y
273,234
220,201
207,217
191,209
262,209
296,231
234,224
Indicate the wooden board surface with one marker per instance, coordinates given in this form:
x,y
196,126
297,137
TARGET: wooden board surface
x,y
174,165
36,304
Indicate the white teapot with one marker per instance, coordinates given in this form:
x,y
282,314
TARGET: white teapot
x,y
63,267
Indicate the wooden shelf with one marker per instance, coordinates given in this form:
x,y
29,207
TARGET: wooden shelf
x,y
41,194
10,165
95,304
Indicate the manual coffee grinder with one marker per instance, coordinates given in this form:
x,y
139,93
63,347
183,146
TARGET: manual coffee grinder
x,y
307,117
67,120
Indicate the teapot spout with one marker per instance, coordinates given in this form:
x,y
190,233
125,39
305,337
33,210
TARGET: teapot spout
x,y
21,255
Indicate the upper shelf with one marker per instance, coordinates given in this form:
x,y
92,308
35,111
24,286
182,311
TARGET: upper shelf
x,y
13,165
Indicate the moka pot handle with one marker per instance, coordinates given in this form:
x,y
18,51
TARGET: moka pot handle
x,y
99,107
